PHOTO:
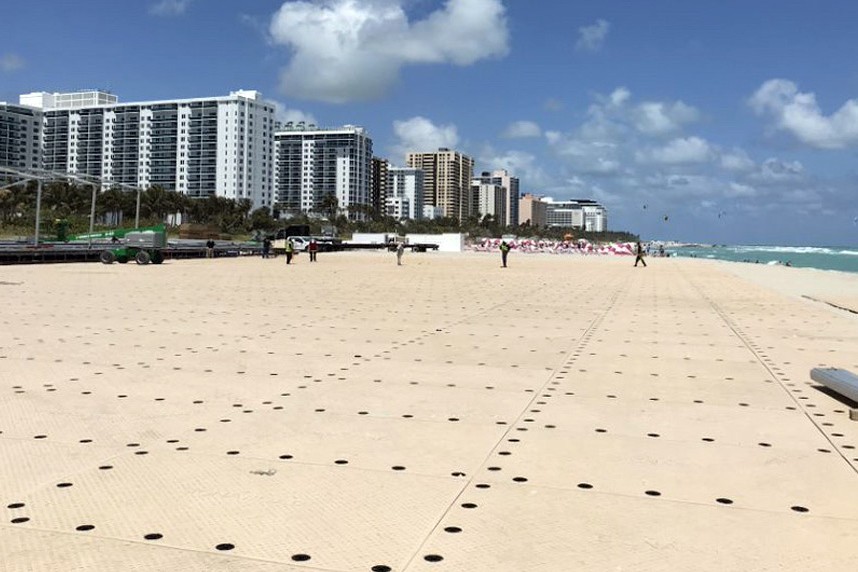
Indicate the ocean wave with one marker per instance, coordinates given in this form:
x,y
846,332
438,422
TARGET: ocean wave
x,y
793,250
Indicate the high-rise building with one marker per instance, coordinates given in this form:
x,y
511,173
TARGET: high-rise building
x,y
585,214
447,180
405,193
20,136
311,163
218,146
503,179
532,210
489,199
380,184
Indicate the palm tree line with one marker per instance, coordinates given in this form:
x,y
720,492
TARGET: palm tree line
x,y
116,208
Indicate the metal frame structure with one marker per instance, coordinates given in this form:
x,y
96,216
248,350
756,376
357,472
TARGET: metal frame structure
x,y
40,175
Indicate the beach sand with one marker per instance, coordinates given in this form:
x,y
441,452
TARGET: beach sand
x,y
565,413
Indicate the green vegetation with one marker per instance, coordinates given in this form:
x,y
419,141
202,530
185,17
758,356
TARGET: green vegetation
x,y
69,205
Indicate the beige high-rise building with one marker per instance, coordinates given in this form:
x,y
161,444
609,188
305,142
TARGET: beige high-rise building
x,y
533,209
446,181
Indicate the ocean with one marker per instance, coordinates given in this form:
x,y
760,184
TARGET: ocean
x,y
843,259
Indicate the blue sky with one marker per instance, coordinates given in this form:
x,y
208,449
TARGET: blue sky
x,y
737,120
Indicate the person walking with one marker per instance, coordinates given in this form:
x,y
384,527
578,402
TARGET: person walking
x,y
290,250
313,248
504,249
266,247
210,244
400,249
639,254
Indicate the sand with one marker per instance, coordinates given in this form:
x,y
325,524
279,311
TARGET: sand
x,y
564,413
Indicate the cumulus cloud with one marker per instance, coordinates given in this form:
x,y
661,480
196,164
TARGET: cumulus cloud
x,y
777,171
553,104
419,135
799,113
739,190
585,156
737,160
680,151
522,129
592,38
169,7
285,114
520,164
11,62
661,118
347,50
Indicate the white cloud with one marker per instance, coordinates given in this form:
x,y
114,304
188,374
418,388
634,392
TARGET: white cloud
x,y
285,114
347,50
419,134
522,129
739,190
585,156
799,114
11,62
737,160
519,164
592,38
169,7
660,118
776,171
679,151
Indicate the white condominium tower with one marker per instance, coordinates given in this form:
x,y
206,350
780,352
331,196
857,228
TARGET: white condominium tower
x,y
405,193
20,136
311,162
216,146
447,180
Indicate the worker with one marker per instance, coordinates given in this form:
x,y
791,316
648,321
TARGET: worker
x,y
210,245
313,248
400,248
290,250
504,249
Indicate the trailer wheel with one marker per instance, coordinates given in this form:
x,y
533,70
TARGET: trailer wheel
x,y
142,257
122,259
157,257
107,257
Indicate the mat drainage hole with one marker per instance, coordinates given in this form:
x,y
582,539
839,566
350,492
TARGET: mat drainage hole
x,y
799,508
585,486
483,486
63,485
520,479
84,528
285,456
381,568
15,505
341,462
453,529
723,501
469,505
232,452
20,520
225,546
764,444
300,557
398,468
433,558
653,435
652,493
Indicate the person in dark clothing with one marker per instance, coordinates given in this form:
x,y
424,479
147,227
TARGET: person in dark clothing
x,y
639,254
313,248
210,244
504,248
266,247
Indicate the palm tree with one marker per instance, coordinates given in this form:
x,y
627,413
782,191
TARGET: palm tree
x,y
329,205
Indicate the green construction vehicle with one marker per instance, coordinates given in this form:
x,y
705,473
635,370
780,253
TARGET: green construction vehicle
x,y
143,245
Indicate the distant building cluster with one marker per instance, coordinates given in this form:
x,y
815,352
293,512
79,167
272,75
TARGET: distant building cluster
x,y
232,147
